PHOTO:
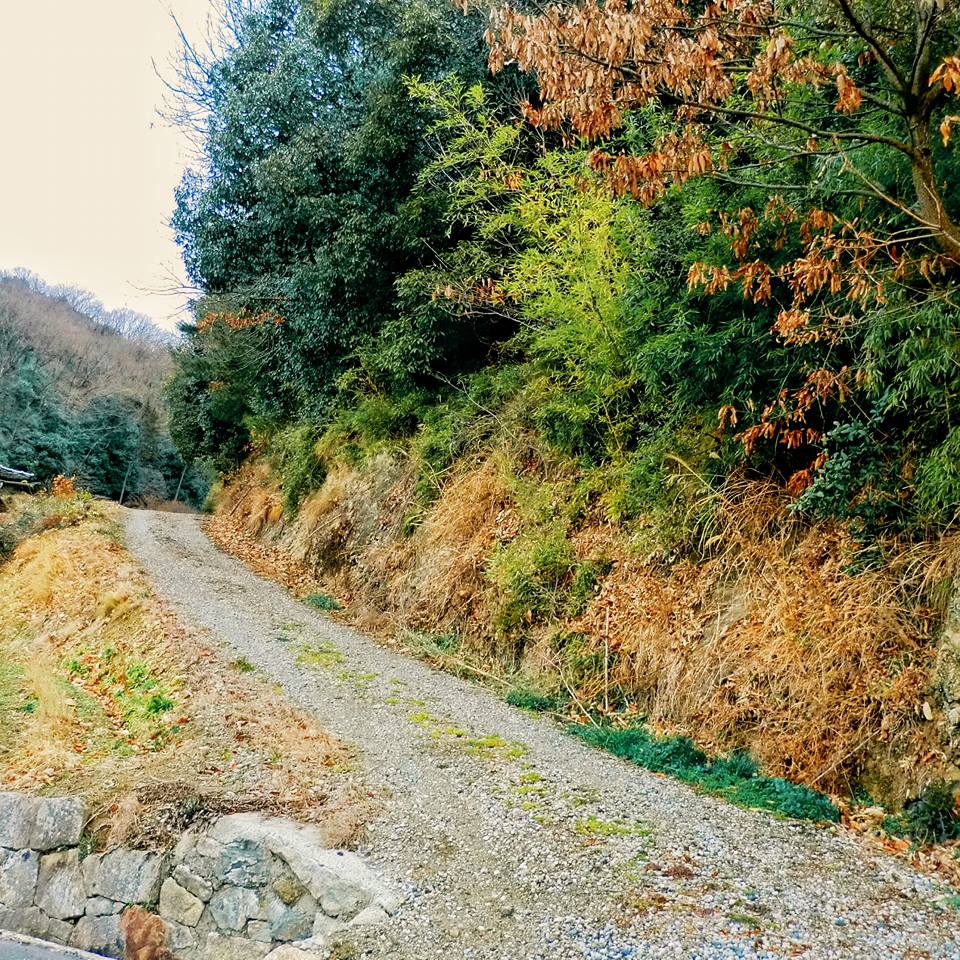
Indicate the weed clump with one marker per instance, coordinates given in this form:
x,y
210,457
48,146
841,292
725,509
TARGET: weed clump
x,y
529,699
933,817
735,777
323,601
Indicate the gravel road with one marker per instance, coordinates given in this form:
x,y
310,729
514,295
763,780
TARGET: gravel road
x,y
513,840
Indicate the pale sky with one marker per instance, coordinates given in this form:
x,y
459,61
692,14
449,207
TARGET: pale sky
x,y
87,168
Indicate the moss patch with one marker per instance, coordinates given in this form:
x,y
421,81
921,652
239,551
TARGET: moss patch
x,y
319,656
734,777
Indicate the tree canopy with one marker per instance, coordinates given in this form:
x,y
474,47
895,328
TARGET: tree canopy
x,y
719,230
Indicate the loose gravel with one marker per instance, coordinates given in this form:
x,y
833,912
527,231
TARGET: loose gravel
x,y
513,840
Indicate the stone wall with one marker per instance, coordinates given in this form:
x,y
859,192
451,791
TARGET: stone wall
x,y
244,887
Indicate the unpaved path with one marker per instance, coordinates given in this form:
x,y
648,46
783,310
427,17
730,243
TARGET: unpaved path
x,y
514,840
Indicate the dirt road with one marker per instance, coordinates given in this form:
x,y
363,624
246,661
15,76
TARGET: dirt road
x,y
513,840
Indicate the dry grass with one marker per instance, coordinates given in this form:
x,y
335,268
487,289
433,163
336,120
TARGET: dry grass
x,y
113,700
443,586
769,643
350,534
772,644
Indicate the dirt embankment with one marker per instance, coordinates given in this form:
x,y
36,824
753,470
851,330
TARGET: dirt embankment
x,y
104,694
772,643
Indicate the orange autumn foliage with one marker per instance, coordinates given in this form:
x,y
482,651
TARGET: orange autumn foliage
x,y
749,87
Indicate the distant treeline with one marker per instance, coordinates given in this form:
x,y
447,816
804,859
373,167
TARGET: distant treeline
x,y
82,394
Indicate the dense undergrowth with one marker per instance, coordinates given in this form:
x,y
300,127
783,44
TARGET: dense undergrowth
x,y
678,447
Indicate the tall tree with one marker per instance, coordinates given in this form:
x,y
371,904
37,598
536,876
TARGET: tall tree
x,y
826,127
303,216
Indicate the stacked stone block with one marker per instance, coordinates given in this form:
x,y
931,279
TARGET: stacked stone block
x,y
246,888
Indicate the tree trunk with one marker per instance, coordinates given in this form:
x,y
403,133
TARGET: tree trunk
x,y
930,206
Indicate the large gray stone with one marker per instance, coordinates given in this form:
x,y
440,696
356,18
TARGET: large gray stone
x,y
30,921
218,947
102,907
17,815
232,907
131,876
33,922
60,931
370,916
61,892
58,822
290,922
18,877
90,865
185,846
258,930
340,898
193,882
244,862
289,952
180,938
101,935
178,904
209,848
339,880
325,927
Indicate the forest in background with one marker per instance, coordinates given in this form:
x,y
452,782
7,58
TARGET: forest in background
x,y
81,394
666,291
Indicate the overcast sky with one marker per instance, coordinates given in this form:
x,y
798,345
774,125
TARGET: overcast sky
x,y
87,168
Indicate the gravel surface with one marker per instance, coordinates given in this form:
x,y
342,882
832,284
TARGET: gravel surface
x,y
513,840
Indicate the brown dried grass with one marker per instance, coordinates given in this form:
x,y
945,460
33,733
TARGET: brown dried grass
x,y
76,617
443,586
772,644
767,643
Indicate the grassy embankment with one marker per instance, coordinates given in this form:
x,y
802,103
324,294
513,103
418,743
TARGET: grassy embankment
x,y
103,693
760,641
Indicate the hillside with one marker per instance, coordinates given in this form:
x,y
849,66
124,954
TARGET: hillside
x,y
82,393
600,379
85,354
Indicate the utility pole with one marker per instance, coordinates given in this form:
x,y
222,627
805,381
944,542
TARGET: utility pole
x,y
126,477
180,483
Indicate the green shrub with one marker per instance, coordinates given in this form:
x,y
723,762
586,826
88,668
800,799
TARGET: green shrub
x,y
8,540
737,765
734,777
782,797
322,601
294,455
530,699
938,482
930,818
584,585
531,574
159,703
432,644
373,419
675,755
